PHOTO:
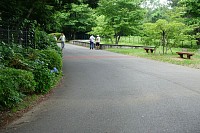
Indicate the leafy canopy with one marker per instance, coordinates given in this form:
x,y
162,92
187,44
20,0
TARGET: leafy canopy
x,y
123,17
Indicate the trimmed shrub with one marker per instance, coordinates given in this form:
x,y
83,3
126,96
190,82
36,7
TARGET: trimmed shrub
x,y
43,77
17,61
30,70
24,79
52,58
42,69
14,85
9,96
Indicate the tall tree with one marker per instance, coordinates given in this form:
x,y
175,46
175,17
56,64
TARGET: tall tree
x,y
168,33
102,28
80,19
173,3
15,13
91,3
122,16
192,15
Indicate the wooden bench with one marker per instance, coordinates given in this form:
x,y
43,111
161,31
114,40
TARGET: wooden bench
x,y
149,49
186,53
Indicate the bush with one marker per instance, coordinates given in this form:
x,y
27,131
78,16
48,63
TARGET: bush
x,y
30,69
14,85
17,61
9,96
57,35
23,79
43,77
52,58
43,40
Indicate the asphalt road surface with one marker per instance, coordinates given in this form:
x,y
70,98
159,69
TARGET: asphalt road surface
x,y
105,92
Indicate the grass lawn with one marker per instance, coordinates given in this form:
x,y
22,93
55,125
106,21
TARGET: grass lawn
x,y
170,57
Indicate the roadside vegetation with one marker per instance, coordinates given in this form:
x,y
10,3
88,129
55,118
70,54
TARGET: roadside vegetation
x,y
171,57
27,74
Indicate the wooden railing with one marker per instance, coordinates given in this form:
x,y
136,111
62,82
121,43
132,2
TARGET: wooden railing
x,y
86,43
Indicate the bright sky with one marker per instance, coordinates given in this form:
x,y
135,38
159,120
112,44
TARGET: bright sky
x,y
163,1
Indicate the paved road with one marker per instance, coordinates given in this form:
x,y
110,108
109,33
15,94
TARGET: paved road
x,y
104,92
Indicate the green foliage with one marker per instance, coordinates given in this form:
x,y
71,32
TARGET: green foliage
x,y
51,57
14,85
150,34
38,78
8,95
192,16
14,13
122,17
80,19
56,34
192,12
42,40
172,58
168,34
43,77
7,52
17,61
46,41
156,14
102,28
23,79
60,19
11,58
46,61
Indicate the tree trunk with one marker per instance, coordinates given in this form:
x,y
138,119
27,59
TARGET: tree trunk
x,y
198,41
74,35
116,42
197,30
29,12
163,41
117,38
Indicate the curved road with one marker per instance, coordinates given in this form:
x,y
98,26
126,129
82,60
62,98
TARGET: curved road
x,y
105,92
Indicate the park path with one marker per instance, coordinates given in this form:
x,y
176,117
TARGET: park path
x,y
105,92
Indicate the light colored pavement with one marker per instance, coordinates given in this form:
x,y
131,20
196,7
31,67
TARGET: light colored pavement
x,y
104,92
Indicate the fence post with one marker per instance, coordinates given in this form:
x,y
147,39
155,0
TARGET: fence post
x,y
8,35
26,38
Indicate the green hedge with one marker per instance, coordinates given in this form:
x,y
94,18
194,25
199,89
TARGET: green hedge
x,y
14,85
29,71
52,58
43,77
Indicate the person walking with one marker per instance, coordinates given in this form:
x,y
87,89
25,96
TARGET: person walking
x,y
54,36
62,38
98,39
92,39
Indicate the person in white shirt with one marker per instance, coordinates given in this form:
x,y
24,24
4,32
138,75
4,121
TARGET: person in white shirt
x,y
92,39
54,36
62,38
98,39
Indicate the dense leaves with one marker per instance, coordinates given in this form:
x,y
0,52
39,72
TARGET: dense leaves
x,y
192,15
80,19
122,17
167,34
14,85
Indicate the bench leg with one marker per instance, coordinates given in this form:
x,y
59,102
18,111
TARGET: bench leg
x,y
188,56
147,50
151,50
181,55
